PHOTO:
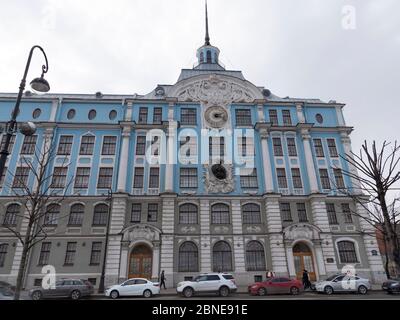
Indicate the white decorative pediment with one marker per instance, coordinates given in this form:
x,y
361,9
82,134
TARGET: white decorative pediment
x,y
145,232
215,89
301,231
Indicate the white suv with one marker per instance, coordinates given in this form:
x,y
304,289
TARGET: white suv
x,y
221,283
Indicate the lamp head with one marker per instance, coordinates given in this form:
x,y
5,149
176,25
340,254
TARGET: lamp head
x,y
27,128
40,84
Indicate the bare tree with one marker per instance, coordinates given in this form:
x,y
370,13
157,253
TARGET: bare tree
x,y
379,172
35,198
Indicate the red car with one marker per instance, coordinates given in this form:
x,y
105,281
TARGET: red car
x,y
276,286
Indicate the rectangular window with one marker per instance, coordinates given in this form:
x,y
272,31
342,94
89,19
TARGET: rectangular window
x,y
248,178
281,174
29,145
152,212
109,145
246,146
296,178
332,148
105,178
348,218
65,145
216,146
243,117
188,116
273,117
136,212
157,115
287,120
277,143
154,177
138,178
188,178
285,212
3,254
21,177
70,254
59,177
291,144
142,115
141,145
330,209
10,145
87,145
324,176
302,212
339,178
82,177
95,255
44,254
319,150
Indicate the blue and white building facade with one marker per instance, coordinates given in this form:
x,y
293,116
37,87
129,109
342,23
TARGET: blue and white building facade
x,y
212,173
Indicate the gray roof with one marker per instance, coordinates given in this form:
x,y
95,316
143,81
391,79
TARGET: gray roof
x,y
188,73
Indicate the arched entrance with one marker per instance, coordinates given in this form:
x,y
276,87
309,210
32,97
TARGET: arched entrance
x,y
303,259
140,262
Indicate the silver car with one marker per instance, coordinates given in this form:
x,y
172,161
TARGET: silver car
x,y
66,288
343,283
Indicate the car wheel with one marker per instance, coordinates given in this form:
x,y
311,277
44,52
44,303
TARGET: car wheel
x,y
75,295
362,289
294,291
147,293
114,294
224,291
262,292
328,290
37,295
188,292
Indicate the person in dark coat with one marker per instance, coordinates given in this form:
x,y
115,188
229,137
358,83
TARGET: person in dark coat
x,y
162,280
306,280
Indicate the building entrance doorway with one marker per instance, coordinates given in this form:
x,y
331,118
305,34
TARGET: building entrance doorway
x,y
303,259
140,262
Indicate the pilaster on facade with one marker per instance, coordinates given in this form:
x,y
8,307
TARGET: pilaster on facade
x,y
312,177
237,228
128,113
123,164
205,241
266,160
167,237
346,142
171,155
319,213
19,247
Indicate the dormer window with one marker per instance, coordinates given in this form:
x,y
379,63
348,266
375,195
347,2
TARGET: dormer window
x,y
209,60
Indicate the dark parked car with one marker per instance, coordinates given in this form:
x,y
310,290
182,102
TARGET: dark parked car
x,y
4,284
391,285
66,288
276,286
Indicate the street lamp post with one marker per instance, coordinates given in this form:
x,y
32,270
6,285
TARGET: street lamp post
x,y
103,269
38,84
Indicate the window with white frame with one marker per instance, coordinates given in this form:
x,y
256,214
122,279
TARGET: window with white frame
x,y
347,251
76,215
246,146
296,178
95,254
216,146
255,256
277,144
287,119
188,116
12,212
70,253
138,177
100,215
273,117
44,254
52,214
188,146
10,145
152,212
286,213
59,177
331,211
348,218
154,177
188,260
87,145
251,213
319,150
21,177
339,178
82,177
248,178
243,117
142,115
136,212
109,145
302,212
105,178
29,144
188,214
222,257
281,175
332,148
141,145
291,145
188,178
157,115
65,145
324,177
220,214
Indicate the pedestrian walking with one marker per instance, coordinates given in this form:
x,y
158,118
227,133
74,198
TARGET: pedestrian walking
x,y
162,280
306,280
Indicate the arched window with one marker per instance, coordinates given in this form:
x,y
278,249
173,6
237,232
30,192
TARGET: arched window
x,y
52,213
3,253
76,215
347,252
10,218
201,57
255,256
100,215
220,213
251,213
188,257
209,56
188,214
222,257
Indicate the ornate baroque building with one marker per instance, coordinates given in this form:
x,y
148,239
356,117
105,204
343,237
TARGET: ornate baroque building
x,y
212,173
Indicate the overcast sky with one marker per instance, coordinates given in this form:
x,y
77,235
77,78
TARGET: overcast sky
x,y
296,48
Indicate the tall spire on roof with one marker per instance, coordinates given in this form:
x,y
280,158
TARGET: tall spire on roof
x,y
207,42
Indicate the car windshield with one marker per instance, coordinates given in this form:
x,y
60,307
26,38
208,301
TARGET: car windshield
x,y
331,277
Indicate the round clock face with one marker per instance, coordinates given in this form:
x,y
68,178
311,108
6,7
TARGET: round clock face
x,y
216,116
219,171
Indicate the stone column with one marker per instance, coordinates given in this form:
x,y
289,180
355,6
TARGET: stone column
x,y
167,238
117,222
266,159
274,227
123,163
238,242
326,247
346,142
300,113
123,268
205,242
260,109
128,114
370,242
156,261
312,177
171,156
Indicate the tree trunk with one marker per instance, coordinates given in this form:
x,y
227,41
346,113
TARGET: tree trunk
x,y
22,265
